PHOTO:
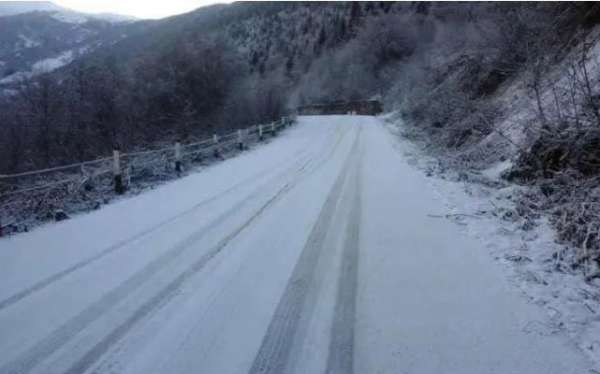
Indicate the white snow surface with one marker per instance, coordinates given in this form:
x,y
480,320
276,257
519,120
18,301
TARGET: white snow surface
x,y
11,8
45,66
71,17
528,257
495,171
27,42
16,77
53,63
319,252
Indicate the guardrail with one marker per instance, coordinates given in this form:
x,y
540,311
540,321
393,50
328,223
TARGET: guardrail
x,y
41,195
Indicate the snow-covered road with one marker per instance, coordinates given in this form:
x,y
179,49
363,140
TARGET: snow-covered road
x,y
315,253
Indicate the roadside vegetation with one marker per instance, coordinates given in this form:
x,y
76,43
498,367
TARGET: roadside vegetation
x,y
479,83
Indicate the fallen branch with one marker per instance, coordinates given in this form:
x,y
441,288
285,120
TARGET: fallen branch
x,y
452,215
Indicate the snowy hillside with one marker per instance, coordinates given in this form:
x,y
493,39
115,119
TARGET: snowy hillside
x,y
11,8
39,37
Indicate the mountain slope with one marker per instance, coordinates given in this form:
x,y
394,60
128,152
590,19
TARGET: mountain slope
x,y
210,70
37,37
11,8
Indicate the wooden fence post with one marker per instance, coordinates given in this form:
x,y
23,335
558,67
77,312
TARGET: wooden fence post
x,y
178,157
273,129
260,133
216,152
240,140
119,187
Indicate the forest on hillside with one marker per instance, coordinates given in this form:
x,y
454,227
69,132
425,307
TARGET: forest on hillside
x,y
449,70
226,67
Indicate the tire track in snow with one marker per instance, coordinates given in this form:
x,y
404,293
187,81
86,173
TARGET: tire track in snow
x,y
53,342
168,292
326,152
164,295
46,282
113,248
64,333
274,352
341,348
47,346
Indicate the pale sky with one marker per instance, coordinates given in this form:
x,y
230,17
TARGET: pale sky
x,y
137,8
